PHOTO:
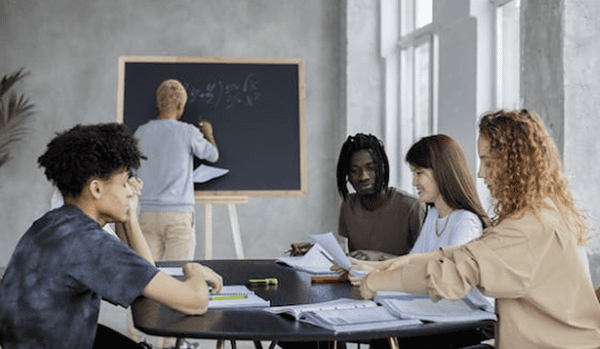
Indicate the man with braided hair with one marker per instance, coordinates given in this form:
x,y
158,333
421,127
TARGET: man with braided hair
x,y
379,222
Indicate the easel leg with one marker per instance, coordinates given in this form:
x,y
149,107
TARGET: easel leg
x,y
235,230
220,344
208,231
394,343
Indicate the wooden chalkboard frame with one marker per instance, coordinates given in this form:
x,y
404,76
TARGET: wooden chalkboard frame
x,y
229,196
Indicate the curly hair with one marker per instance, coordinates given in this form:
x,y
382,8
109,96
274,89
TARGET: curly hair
x,y
446,158
85,152
170,95
375,147
526,168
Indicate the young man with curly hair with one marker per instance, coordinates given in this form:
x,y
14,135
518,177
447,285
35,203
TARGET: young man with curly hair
x,y
66,263
528,258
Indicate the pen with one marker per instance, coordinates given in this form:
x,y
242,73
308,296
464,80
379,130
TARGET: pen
x,y
263,282
227,297
329,279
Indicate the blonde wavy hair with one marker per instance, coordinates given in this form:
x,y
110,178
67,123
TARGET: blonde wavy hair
x,y
526,168
170,95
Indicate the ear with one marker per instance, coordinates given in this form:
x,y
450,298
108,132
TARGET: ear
x,y
95,188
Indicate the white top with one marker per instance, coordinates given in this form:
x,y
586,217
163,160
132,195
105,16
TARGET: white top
x,y
458,228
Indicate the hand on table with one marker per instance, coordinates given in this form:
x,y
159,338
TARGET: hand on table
x,y
213,279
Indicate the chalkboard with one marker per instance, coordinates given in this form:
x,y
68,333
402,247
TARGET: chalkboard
x,y
254,105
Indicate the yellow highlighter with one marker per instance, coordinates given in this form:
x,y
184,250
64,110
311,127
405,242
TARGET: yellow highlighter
x,y
227,297
263,282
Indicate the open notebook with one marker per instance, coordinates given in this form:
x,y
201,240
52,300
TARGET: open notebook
x,y
344,315
231,296
236,296
408,306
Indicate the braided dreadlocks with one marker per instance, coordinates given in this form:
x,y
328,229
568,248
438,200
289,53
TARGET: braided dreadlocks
x,y
375,147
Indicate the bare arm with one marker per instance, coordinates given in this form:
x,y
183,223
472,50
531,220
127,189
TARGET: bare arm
x,y
189,296
390,278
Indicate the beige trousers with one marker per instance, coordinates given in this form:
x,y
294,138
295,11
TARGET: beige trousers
x,y
170,236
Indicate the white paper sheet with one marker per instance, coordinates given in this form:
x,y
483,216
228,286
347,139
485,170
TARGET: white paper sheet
x,y
205,173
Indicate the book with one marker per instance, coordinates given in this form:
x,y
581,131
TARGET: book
x,y
407,306
236,296
344,315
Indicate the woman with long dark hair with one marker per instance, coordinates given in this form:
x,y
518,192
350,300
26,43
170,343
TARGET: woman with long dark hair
x,y
454,216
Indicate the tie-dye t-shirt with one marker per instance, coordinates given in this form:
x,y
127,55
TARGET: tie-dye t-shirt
x,y
61,268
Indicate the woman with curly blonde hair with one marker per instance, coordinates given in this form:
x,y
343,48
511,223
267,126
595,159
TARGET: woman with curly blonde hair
x,y
528,258
524,159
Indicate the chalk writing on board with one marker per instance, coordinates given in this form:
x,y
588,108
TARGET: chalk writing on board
x,y
226,94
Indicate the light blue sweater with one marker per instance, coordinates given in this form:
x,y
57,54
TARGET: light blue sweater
x,y
170,146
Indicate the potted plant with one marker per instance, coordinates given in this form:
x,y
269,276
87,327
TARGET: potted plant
x,y
15,111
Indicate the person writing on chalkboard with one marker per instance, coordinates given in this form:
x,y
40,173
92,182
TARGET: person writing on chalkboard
x,y
379,222
167,200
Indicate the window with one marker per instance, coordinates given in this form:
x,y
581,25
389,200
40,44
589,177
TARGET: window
x,y
416,51
507,54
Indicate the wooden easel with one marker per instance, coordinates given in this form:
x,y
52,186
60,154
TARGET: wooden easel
x,y
230,201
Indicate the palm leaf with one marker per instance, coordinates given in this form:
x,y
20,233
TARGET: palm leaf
x,y
14,113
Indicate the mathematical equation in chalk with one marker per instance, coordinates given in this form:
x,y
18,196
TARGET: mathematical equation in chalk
x,y
220,94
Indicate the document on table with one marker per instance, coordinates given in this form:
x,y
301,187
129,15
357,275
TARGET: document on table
x,y
173,271
236,296
344,315
444,310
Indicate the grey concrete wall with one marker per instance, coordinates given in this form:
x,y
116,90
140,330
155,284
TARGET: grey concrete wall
x,y
364,69
542,62
71,48
560,79
457,76
582,105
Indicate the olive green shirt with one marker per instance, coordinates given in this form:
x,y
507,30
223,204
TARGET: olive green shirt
x,y
392,228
